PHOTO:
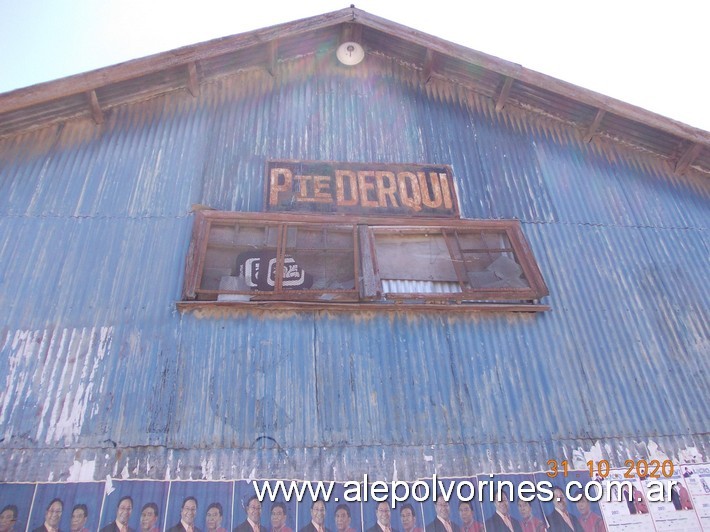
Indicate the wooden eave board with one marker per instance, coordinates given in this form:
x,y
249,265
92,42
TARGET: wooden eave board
x,y
703,159
44,113
480,79
566,109
640,135
142,87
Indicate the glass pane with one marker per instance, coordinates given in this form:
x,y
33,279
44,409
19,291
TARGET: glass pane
x,y
422,262
489,261
320,258
256,236
480,241
232,257
414,257
501,271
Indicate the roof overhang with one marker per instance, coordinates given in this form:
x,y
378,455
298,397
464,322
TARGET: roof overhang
x,y
508,84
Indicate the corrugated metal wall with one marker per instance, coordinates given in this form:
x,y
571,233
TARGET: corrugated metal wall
x,y
97,366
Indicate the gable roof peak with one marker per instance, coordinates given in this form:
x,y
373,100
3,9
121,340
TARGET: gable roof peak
x,y
188,66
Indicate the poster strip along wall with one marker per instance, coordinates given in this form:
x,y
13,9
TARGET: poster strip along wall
x,y
565,500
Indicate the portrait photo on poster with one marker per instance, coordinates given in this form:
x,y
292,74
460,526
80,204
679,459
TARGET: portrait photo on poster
x,y
199,506
67,506
346,515
504,508
134,505
247,512
15,504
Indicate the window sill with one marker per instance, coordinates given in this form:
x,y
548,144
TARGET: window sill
x,y
189,306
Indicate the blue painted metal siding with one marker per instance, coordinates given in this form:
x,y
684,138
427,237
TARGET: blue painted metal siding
x,y
96,362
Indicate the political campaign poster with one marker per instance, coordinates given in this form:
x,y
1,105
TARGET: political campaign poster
x,y
624,507
697,481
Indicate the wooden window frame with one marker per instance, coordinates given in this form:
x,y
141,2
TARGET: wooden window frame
x,y
368,291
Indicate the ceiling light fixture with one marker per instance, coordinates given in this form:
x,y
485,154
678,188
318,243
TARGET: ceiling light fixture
x,y
350,53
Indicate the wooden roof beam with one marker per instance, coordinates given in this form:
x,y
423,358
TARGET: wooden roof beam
x,y
428,68
193,80
594,127
687,158
504,93
273,57
96,111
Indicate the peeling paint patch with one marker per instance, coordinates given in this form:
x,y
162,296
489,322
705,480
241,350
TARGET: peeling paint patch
x,y
580,457
655,452
690,455
50,383
207,469
82,471
109,489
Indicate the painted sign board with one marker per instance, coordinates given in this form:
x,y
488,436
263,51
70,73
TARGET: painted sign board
x,y
361,188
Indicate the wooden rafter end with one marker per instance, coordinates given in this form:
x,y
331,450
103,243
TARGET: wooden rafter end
x,y
504,93
96,112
